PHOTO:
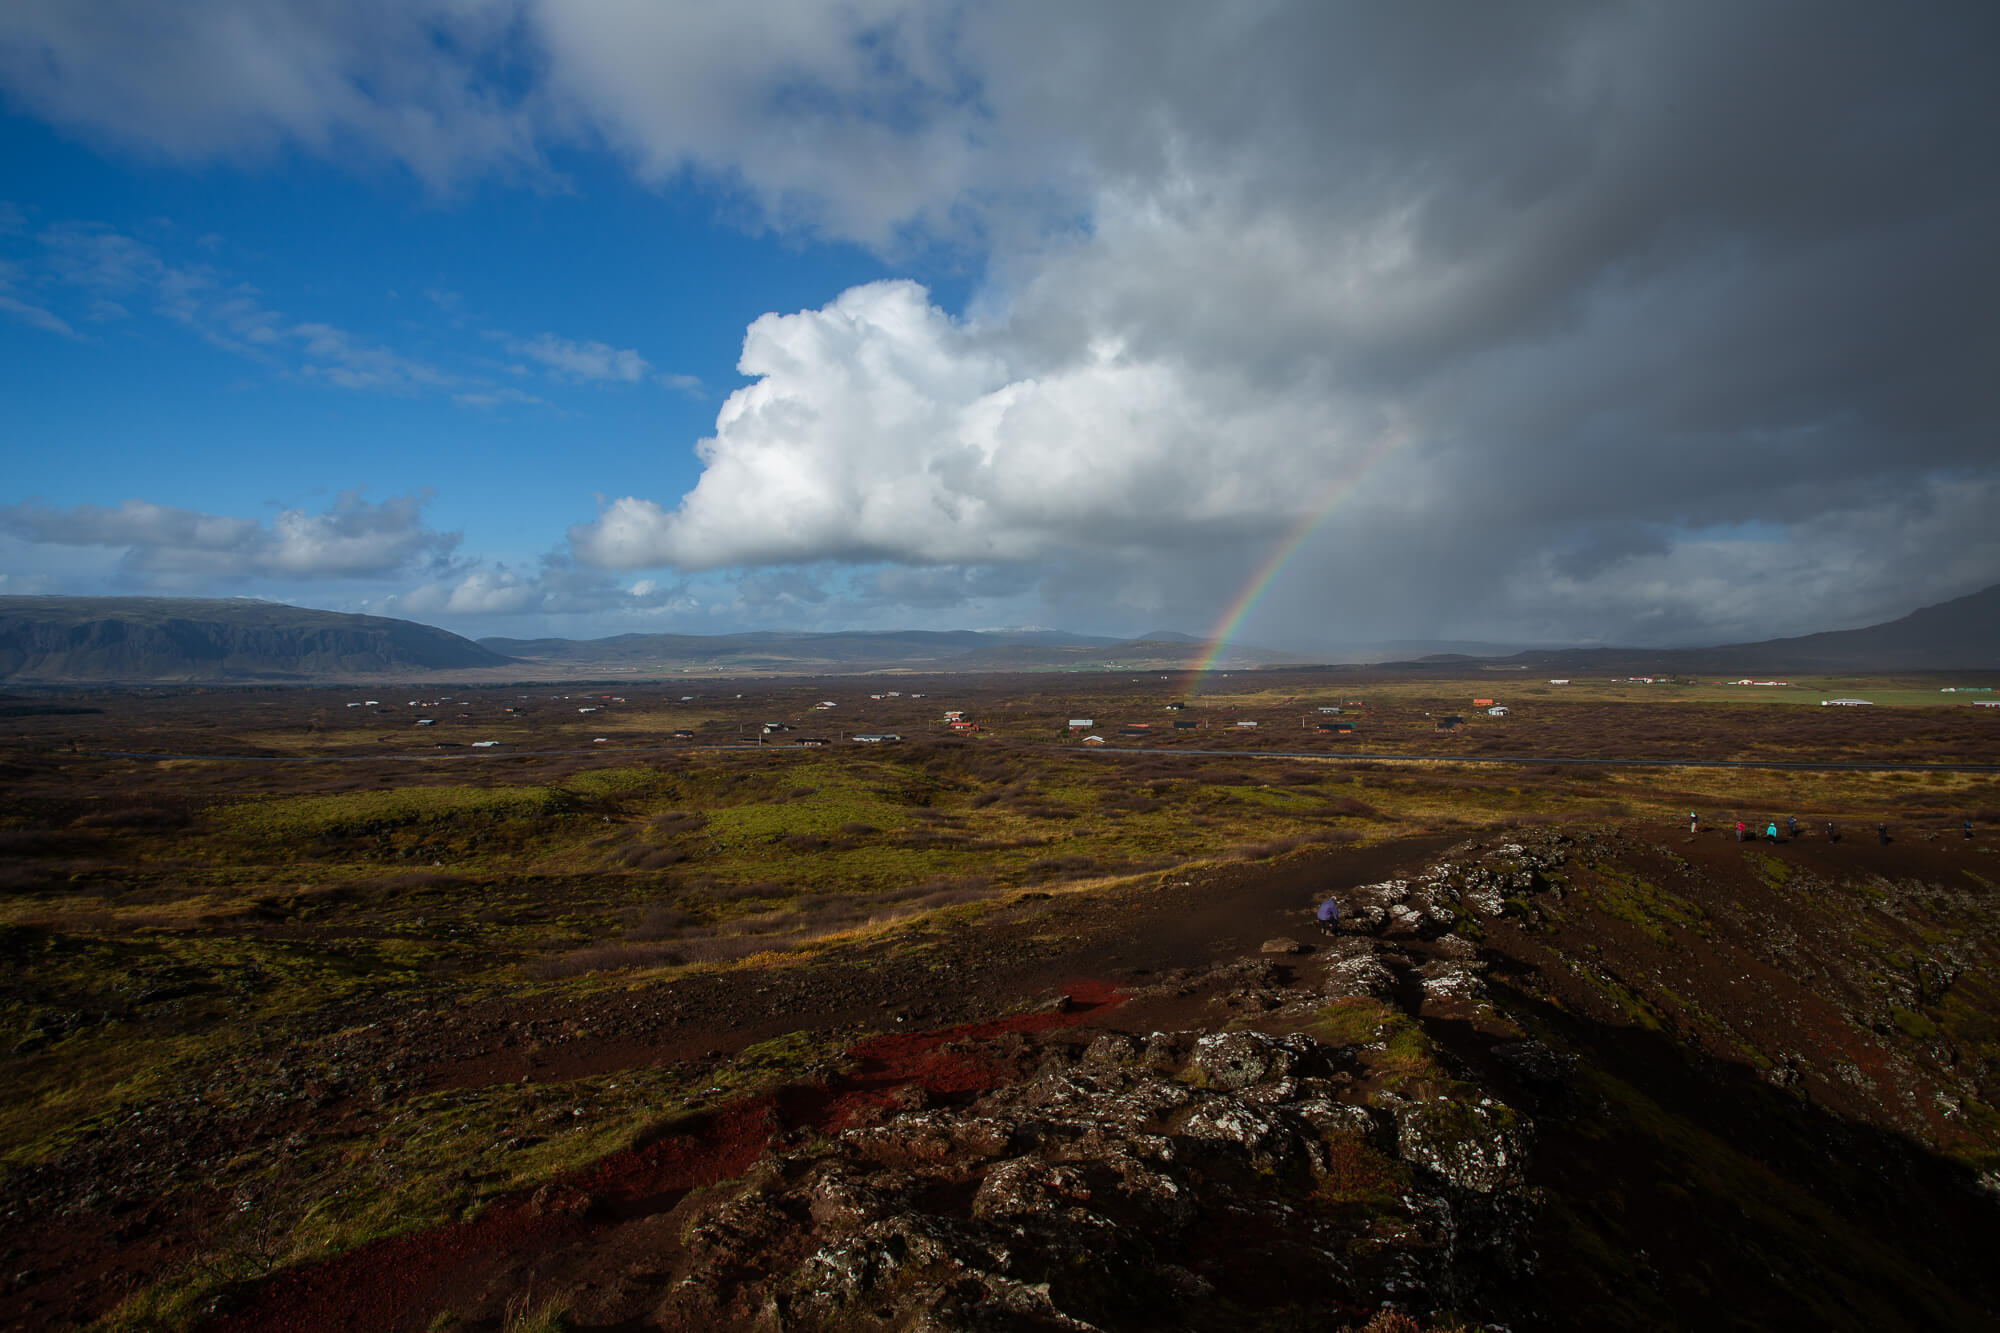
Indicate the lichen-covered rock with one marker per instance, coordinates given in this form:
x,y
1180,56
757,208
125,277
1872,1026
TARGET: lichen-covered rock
x,y
1111,1048
1237,1060
1358,974
1452,979
1159,1184
1480,1147
1536,1062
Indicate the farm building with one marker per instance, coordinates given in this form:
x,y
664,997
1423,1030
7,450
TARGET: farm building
x,y
877,738
684,735
1093,740
1498,710
1246,725
1184,726
1482,703
1450,722
1562,681
1846,703
1329,708
1081,724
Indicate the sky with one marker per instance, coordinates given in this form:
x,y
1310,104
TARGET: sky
x,y
1319,324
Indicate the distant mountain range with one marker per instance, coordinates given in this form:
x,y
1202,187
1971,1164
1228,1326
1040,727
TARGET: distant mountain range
x,y
159,640
171,639
1962,634
850,650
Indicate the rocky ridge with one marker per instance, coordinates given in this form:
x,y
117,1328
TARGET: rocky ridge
x,y
1183,1179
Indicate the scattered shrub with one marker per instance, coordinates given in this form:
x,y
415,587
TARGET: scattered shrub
x,y
660,921
1049,867
134,817
1348,805
707,889
678,821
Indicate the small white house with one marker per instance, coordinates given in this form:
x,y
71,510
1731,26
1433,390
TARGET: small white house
x,y
1846,703
1498,710
1563,681
1093,740
1246,725
1081,724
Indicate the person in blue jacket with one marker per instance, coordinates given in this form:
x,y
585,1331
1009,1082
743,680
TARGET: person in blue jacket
x,y
1329,916
1771,831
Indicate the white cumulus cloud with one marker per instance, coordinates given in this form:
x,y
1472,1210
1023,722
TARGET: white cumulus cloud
x,y
880,429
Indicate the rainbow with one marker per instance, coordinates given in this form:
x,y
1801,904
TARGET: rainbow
x,y
1266,574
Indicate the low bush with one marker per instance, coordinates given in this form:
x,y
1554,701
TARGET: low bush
x,y
1050,867
675,822
659,921
134,817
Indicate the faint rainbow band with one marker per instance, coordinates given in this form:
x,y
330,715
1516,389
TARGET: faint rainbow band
x,y
1266,574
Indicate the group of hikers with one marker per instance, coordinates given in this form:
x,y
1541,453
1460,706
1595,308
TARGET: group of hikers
x,y
1746,832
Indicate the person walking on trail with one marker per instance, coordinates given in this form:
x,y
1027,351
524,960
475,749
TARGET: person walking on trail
x,y
1791,828
1329,917
1741,832
1694,822
1882,834
1832,833
1771,831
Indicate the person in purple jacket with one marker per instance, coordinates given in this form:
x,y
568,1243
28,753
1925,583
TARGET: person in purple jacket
x,y
1329,917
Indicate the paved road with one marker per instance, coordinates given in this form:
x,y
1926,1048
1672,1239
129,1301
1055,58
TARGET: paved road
x,y
1347,756
1809,765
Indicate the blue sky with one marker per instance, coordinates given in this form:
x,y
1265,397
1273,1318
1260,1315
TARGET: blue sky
x,y
515,352
1612,323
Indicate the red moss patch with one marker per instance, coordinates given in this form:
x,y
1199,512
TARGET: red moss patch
x,y
399,1281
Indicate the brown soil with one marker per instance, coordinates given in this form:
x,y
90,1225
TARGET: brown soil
x,y
1755,1140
